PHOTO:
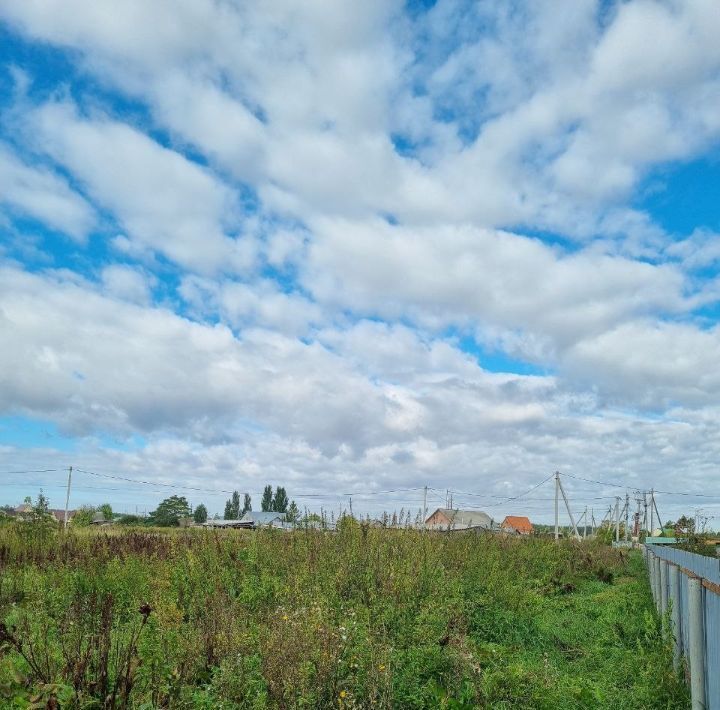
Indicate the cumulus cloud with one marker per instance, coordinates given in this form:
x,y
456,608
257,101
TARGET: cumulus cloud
x,y
40,193
314,208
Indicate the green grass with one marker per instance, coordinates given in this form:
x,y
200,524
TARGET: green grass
x,y
361,618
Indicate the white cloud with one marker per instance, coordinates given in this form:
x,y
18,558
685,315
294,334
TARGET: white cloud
x,y
163,200
127,283
40,193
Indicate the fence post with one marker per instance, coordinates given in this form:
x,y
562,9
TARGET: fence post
x,y
651,572
696,618
675,626
664,592
656,563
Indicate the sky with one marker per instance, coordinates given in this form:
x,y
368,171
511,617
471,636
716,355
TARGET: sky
x,y
351,248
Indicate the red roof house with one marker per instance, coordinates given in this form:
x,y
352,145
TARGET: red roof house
x,y
517,523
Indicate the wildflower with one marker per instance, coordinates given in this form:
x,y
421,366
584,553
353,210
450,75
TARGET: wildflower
x,y
145,610
343,694
381,667
285,617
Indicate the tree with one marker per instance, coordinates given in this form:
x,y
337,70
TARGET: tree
x,y
200,514
267,499
170,511
293,513
84,516
247,505
232,507
280,501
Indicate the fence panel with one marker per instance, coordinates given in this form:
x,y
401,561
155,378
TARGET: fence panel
x,y
707,570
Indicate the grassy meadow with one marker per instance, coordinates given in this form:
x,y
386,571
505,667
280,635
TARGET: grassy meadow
x,y
362,618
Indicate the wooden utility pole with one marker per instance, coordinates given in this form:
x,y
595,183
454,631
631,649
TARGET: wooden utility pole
x,y
617,518
627,515
557,504
567,506
67,497
652,511
424,507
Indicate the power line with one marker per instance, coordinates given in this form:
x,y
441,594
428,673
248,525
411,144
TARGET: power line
x,y
39,470
636,488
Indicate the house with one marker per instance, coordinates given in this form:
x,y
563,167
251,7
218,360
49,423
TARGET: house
x,y
450,519
264,519
26,510
518,524
59,515
251,521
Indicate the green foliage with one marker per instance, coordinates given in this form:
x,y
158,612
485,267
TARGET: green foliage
x,y
266,504
170,511
247,505
232,507
106,510
200,515
293,513
358,618
280,500
84,516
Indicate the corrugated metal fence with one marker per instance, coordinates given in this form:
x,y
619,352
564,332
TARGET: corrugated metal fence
x,y
689,585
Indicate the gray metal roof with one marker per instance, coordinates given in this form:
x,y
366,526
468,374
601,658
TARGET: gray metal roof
x,y
467,518
262,517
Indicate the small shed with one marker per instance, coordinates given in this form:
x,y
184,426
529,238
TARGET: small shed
x,y
518,524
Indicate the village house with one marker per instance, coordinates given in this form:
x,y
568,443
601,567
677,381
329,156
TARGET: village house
x,y
251,520
451,519
517,524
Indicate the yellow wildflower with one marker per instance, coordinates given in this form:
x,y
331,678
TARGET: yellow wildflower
x,y
381,667
342,694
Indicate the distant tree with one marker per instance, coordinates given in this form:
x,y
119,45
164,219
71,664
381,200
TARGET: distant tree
x,y
280,501
293,513
106,510
200,515
232,507
266,503
247,505
42,505
170,511
83,516
7,509
394,519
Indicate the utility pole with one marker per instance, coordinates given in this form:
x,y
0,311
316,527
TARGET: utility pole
x,y
645,520
585,522
67,497
657,512
351,513
592,522
617,518
652,511
424,507
627,515
557,504
567,506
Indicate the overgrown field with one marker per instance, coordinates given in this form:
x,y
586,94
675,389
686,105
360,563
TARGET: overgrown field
x,y
359,618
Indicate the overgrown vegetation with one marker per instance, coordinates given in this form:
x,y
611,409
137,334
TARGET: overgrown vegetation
x,y
359,618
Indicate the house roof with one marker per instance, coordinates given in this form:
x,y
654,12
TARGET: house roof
x,y
262,517
518,522
466,518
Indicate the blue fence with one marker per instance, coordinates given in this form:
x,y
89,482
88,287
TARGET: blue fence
x,y
689,586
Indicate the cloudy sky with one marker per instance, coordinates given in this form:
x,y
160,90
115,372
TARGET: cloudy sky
x,y
354,247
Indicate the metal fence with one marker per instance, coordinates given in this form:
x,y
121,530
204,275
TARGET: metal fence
x,y
689,585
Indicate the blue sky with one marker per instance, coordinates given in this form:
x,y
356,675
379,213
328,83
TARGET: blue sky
x,y
347,250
